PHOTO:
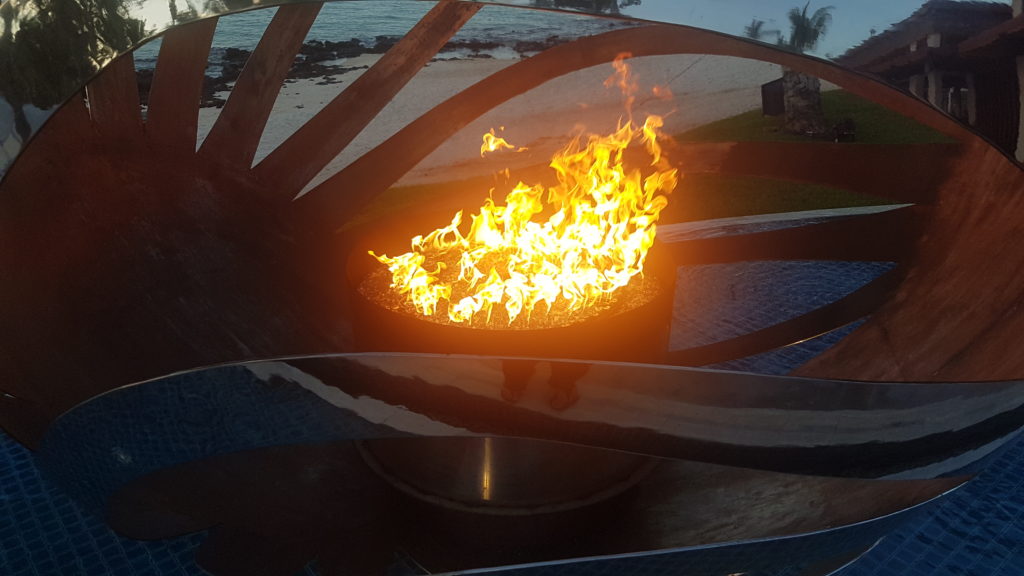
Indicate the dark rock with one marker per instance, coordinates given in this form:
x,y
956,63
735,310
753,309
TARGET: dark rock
x,y
316,51
349,49
473,45
211,86
229,71
232,62
145,81
383,43
524,46
318,70
236,55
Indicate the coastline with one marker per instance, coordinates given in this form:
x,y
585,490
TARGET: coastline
x,y
705,88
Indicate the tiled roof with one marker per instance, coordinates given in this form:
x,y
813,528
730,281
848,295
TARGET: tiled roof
x,y
954,20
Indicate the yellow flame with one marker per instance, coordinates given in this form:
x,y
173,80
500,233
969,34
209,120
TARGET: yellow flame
x,y
624,80
596,238
492,142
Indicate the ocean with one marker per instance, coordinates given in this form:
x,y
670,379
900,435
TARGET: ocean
x,y
366,19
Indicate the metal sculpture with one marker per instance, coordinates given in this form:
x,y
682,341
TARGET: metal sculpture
x,y
139,256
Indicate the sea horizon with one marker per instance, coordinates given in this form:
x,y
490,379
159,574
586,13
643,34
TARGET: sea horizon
x,y
365,21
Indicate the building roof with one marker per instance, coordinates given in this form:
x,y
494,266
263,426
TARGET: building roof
x,y
954,20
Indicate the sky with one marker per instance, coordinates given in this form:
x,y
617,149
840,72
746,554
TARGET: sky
x,y
852,20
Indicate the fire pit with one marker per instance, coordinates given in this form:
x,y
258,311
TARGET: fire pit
x,y
562,271
550,271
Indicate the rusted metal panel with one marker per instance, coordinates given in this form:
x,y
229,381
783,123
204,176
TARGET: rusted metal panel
x,y
883,237
236,135
114,100
299,158
958,314
173,112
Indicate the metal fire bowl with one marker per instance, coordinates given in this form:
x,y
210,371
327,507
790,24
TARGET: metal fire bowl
x,y
510,476
521,476
639,334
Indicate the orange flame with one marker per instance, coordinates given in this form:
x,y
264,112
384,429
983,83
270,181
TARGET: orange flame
x,y
662,92
601,226
492,143
624,80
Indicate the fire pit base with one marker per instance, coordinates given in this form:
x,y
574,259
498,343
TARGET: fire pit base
x,y
506,476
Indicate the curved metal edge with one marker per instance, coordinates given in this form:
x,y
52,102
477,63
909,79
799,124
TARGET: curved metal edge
x,y
751,376
884,524
216,8
757,422
134,435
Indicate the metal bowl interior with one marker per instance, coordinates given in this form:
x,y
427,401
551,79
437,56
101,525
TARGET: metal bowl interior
x,y
510,476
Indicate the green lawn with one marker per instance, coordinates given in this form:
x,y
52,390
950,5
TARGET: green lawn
x,y
699,196
707,196
874,125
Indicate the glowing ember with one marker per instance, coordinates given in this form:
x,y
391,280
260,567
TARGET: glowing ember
x,y
570,245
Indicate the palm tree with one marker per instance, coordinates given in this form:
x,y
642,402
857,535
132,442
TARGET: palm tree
x,y
804,113
807,30
756,30
43,58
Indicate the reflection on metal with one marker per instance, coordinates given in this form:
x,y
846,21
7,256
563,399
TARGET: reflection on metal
x,y
486,470
508,476
207,448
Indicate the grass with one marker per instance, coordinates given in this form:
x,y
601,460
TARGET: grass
x,y
440,198
874,125
699,196
705,196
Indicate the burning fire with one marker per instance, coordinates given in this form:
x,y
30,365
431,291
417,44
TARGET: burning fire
x,y
570,244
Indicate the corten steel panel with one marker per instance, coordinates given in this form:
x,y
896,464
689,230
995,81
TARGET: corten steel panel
x,y
229,205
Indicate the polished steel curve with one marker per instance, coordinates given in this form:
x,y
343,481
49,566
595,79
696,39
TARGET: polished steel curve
x,y
186,452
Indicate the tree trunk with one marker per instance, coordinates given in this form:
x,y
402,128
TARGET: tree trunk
x,y
802,97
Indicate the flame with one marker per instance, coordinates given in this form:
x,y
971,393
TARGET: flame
x,y
624,80
600,226
493,142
